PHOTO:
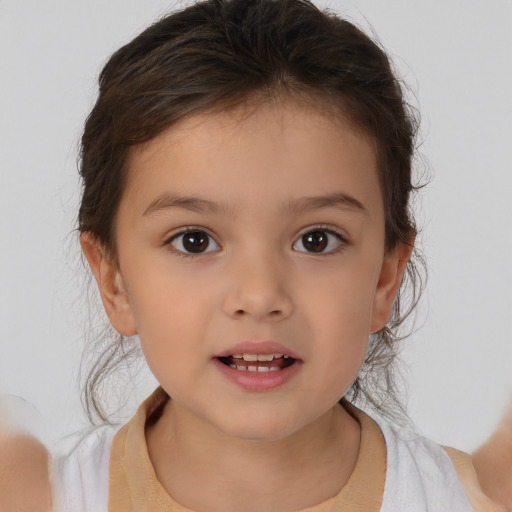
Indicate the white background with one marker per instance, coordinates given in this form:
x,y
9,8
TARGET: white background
x,y
456,56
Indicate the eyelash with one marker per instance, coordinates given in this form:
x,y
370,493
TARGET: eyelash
x,y
323,229
311,229
188,230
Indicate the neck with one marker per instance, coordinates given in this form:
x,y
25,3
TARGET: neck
x,y
205,469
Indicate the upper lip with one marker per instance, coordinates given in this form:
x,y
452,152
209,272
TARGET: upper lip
x,y
257,347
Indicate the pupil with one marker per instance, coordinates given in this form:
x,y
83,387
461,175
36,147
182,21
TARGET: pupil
x,y
195,242
316,241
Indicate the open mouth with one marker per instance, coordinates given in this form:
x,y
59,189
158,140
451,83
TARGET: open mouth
x,y
257,362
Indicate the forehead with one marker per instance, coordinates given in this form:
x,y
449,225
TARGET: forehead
x,y
248,156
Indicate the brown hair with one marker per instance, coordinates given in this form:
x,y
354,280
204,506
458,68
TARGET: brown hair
x,y
220,54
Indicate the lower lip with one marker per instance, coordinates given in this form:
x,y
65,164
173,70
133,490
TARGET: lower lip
x,y
258,381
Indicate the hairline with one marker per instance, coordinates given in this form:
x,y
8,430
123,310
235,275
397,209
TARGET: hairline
x,y
327,104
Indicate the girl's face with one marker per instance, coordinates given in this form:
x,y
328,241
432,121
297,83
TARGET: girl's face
x,y
241,236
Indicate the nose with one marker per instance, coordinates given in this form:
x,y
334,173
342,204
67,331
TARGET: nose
x,y
257,289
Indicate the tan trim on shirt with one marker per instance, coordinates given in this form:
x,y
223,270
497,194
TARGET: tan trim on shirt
x,y
134,486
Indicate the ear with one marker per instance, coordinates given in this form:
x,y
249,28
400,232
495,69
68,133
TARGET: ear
x,y
390,277
111,285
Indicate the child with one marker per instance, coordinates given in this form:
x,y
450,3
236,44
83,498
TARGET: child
x,y
245,211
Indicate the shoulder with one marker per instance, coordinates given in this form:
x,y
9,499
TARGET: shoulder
x,y
80,476
424,476
420,472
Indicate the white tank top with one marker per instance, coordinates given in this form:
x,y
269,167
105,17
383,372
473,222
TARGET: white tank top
x,y
420,476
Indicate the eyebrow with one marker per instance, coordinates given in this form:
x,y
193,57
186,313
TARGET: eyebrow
x,y
294,206
195,204
335,200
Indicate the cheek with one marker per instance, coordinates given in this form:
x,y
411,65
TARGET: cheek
x,y
344,334
171,315
341,299
339,315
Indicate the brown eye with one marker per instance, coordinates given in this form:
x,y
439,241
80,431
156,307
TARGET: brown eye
x,y
194,242
319,241
315,241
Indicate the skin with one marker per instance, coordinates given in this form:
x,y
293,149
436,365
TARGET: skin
x,y
216,443
24,464
493,462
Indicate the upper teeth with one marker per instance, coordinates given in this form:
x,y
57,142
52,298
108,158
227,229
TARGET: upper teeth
x,y
259,357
